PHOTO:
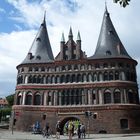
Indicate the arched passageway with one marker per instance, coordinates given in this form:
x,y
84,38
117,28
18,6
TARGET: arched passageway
x,y
68,119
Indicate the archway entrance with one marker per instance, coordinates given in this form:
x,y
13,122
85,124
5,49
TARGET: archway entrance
x,y
63,123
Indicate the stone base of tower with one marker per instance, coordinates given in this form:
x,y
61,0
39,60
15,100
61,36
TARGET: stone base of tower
x,y
103,119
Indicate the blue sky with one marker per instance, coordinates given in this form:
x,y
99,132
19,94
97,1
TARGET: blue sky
x,y
20,21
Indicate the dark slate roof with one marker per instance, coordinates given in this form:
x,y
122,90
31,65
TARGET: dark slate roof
x,y
109,45
40,51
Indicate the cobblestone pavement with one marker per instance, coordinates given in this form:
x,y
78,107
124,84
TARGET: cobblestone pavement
x,y
7,135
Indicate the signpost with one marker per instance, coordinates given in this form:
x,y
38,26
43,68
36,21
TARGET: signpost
x,y
88,114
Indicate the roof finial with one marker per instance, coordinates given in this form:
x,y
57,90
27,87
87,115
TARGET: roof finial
x,y
63,38
78,36
44,22
70,33
44,15
105,5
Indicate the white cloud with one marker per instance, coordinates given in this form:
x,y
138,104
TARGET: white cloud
x,y
86,17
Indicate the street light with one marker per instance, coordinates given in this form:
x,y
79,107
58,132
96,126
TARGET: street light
x,y
88,114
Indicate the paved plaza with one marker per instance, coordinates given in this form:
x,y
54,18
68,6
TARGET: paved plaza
x,y
7,135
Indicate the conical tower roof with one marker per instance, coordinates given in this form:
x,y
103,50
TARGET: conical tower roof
x,y
109,44
40,51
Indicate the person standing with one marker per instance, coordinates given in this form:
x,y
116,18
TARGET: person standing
x,y
58,130
70,129
79,131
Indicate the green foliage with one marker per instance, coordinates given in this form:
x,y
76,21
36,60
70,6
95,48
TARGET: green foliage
x,y
10,99
123,3
4,112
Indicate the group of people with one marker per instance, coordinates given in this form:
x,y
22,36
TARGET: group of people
x,y
36,129
74,127
70,129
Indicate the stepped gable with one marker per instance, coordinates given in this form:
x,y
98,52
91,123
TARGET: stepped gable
x,y
70,50
40,51
109,45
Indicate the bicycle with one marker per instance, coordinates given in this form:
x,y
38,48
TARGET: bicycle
x,y
48,134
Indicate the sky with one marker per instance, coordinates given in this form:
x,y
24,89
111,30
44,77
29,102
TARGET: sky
x,y
21,19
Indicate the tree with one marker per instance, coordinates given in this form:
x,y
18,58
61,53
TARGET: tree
x,y
123,3
10,99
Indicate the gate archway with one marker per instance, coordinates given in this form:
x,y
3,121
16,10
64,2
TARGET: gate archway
x,y
65,120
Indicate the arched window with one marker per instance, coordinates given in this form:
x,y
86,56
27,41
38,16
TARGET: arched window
x,y
122,76
84,78
30,79
63,79
67,96
77,97
37,99
26,79
93,97
107,97
131,98
72,97
100,77
117,97
34,79
63,98
67,78
89,78
127,75
105,76
28,100
111,76
116,75
48,79
19,99
79,79
38,79
57,79
49,98
94,77
53,79
73,79
21,79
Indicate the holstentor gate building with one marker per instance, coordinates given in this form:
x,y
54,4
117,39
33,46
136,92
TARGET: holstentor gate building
x,y
65,87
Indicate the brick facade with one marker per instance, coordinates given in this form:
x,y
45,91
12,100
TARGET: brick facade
x,y
70,85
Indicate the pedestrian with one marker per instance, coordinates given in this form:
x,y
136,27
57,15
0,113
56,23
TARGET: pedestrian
x,y
58,130
46,130
70,129
66,126
78,131
47,127
83,131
